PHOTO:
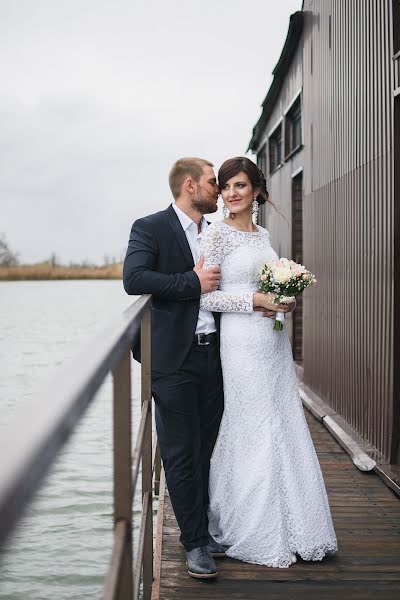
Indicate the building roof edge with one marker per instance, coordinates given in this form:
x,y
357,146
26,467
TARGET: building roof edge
x,y
281,68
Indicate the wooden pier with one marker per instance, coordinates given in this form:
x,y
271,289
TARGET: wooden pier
x,y
366,516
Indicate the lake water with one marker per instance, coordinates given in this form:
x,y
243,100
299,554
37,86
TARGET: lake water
x,y
62,546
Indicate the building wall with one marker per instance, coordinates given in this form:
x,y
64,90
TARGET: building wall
x,y
278,220
279,184
344,64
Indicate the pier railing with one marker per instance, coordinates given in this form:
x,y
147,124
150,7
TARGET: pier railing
x,y
38,432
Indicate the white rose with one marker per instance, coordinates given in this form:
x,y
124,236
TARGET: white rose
x,y
282,275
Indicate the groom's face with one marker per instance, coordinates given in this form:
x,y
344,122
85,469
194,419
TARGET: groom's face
x,y
207,192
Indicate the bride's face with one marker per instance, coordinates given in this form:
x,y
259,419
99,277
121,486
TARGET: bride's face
x,y
238,194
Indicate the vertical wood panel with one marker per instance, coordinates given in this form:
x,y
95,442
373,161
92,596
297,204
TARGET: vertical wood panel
x,y
297,255
348,210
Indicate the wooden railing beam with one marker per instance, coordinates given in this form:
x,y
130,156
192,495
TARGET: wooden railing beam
x,y
137,453
123,493
114,570
146,516
156,466
147,459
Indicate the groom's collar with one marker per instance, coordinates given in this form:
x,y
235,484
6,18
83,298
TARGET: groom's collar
x,y
186,221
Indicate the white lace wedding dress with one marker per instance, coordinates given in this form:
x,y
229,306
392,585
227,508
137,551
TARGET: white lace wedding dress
x,y
267,495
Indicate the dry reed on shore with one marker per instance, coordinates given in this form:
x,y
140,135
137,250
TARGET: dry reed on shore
x,y
45,271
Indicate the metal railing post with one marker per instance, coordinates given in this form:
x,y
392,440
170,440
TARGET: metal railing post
x,y
123,495
147,462
157,470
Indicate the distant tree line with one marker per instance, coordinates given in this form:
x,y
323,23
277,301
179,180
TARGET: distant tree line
x,y
8,258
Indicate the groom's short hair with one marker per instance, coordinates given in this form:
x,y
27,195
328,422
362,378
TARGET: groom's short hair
x,y
186,167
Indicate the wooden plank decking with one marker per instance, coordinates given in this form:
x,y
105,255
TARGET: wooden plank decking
x,y
366,515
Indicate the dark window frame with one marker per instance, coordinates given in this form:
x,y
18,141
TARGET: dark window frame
x,y
293,128
275,148
262,158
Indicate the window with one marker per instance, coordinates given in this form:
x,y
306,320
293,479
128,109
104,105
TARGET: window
x,y
396,26
262,159
275,148
293,128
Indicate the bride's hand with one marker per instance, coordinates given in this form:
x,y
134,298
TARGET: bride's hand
x,y
266,301
271,314
287,307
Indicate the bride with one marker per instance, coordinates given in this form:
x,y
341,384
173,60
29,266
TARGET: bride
x,y
267,496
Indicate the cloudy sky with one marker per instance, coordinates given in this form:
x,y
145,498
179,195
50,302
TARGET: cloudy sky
x,y
98,98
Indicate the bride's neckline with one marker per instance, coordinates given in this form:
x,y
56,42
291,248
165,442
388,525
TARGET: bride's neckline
x,y
241,230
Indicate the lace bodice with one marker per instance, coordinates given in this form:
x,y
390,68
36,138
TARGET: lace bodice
x,y
240,255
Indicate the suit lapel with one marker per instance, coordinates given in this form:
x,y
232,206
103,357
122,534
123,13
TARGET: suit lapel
x,y
179,234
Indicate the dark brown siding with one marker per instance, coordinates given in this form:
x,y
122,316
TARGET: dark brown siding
x,y
348,213
297,255
396,271
349,239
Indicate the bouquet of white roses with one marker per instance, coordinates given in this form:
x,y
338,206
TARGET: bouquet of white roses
x,y
286,279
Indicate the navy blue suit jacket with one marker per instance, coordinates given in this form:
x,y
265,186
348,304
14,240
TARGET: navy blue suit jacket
x,y
159,262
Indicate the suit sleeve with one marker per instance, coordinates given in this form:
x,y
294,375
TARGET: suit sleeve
x,y
141,277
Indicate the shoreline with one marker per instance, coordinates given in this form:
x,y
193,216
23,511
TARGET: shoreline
x,y
48,273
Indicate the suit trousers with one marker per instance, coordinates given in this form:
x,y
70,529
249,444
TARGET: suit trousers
x,y
188,412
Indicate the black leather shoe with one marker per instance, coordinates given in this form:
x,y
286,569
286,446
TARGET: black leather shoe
x,y
216,549
200,563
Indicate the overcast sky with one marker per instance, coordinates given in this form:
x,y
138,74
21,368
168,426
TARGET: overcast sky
x,y
98,98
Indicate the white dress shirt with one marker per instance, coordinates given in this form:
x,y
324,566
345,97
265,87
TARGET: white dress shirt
x,y
205,322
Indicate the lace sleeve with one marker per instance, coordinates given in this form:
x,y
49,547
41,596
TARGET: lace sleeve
x,y
212,248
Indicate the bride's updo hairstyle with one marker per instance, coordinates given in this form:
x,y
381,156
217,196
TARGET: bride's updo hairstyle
x,y
233,166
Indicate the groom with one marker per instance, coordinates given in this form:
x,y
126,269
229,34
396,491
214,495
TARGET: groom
x,y
163,260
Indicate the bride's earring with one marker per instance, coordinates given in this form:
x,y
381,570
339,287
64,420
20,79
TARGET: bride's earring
x,y
255,208
225,212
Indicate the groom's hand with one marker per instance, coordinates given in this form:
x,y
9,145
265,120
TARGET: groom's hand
x,y
209,278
